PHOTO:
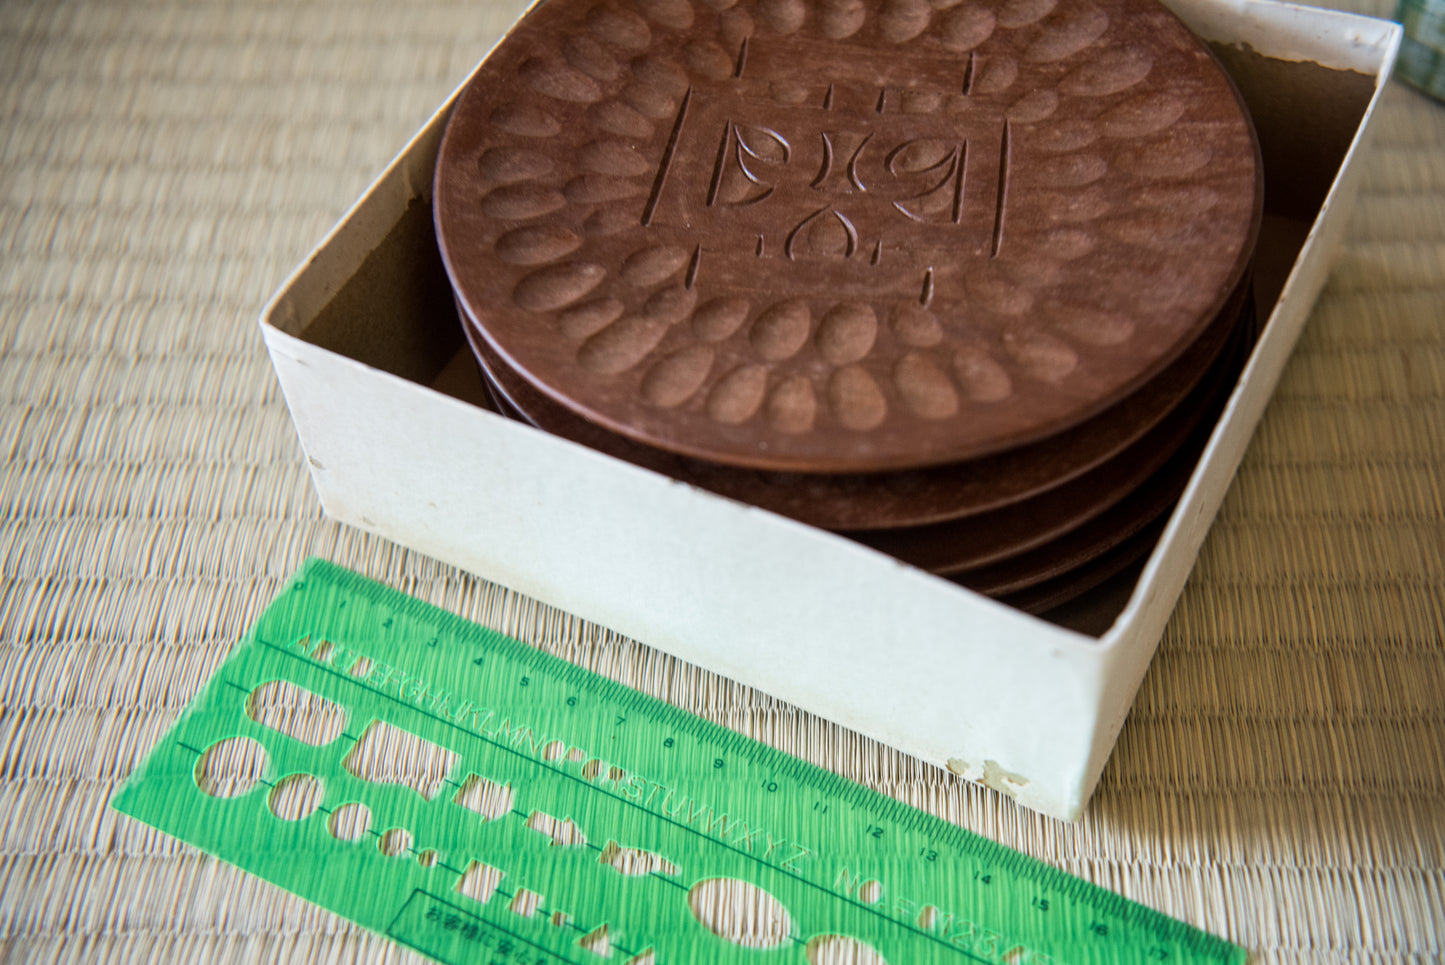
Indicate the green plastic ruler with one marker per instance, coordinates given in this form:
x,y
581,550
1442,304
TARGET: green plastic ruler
x,y
480,801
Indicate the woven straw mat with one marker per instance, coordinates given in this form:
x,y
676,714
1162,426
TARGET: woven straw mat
x,y
163,165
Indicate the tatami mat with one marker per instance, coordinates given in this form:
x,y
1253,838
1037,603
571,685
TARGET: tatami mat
x,y
163,165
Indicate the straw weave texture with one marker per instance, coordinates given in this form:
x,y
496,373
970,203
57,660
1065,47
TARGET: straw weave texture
x,y
164,163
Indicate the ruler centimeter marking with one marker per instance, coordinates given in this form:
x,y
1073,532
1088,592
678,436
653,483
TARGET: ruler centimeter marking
x,y
846,873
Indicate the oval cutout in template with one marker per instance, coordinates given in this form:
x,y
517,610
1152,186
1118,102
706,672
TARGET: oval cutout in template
x,y
231,768
740,912
842,950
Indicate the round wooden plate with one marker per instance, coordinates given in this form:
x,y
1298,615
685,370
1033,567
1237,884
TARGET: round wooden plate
x,y
890,500
1079,548
845,236
989,538
1045,598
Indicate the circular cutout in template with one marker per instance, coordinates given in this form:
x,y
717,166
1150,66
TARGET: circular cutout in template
x,y
394,842
295,798
350,822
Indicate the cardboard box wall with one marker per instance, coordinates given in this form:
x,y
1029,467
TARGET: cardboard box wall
x,y
390,413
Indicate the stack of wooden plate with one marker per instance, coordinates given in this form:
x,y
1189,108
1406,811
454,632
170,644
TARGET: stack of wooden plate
x,y
965,281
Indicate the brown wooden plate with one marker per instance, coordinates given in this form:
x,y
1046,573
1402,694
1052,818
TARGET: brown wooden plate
x,y
888,500
845,236
1045,598
988,538
1100,535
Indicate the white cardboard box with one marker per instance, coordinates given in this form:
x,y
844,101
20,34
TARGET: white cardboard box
x,y
362,336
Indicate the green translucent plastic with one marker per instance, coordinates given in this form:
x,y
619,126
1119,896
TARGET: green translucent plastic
x,y
630,772
1422,51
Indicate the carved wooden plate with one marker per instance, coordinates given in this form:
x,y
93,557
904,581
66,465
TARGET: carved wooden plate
x,y
962,545
906,498
1046,597
1095,539
845,235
